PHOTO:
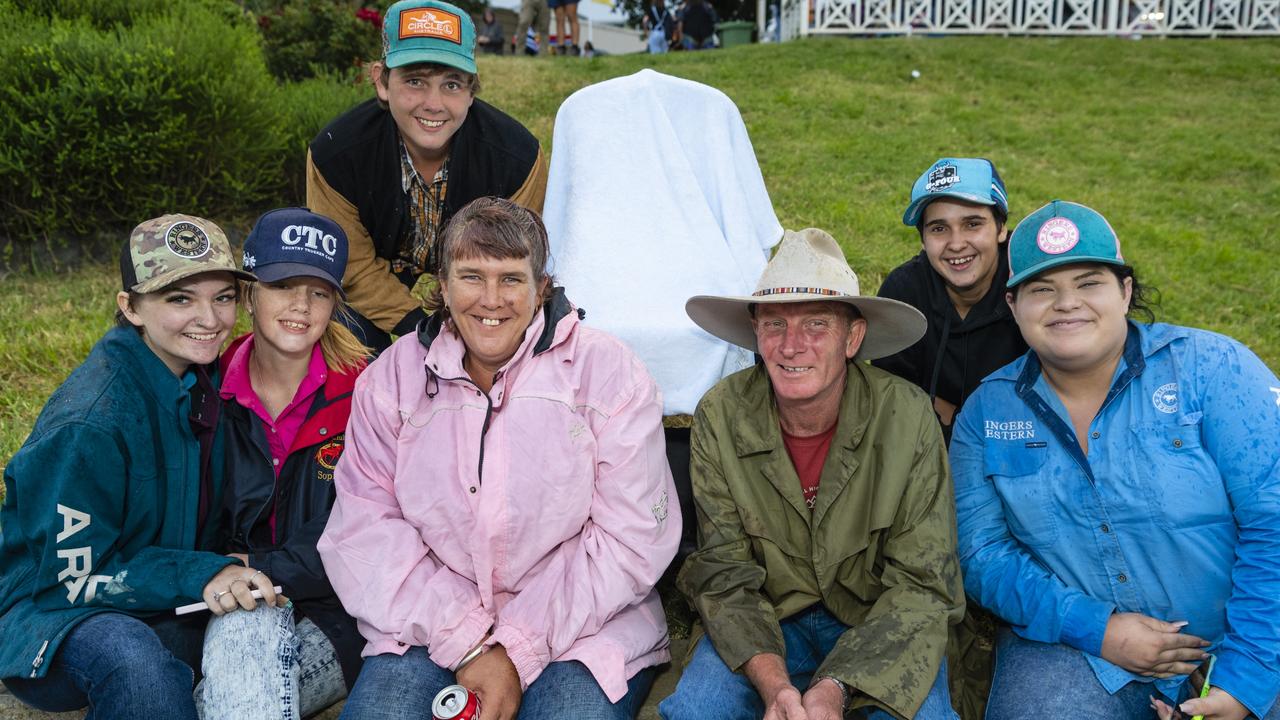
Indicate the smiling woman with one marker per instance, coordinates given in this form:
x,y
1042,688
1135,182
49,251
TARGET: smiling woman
x,y
112,493
506,467
1117,490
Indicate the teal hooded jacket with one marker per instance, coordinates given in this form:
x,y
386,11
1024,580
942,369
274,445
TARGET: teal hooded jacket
x,y
101,502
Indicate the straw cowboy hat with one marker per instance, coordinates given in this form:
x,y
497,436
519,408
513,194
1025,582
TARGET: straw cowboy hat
x,y
810,266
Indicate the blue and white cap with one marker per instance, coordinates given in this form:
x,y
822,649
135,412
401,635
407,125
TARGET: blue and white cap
x,y
295,242
973,180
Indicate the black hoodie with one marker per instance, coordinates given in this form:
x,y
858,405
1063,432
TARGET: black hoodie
x,y
954,355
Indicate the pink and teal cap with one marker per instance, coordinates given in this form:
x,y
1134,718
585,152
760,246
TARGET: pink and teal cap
x,y
429,31
1061,233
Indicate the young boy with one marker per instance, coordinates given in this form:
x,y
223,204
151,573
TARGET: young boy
x,y
957,280
393,170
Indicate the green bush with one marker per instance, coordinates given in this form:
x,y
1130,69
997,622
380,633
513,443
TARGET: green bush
x,y
112,118
307,106
306,38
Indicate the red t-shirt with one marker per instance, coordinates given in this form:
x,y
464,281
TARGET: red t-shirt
x,y
808,454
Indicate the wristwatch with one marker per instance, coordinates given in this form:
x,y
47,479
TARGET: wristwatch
x,y
844,690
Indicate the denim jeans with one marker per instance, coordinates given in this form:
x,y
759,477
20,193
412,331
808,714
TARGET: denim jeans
x,y
260,664
392,687
1039,680
708,689
121,667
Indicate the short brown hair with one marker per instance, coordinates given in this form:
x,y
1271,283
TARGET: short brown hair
x,y
493,227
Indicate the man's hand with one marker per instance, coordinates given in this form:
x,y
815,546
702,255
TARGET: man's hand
x,y
1151,647
768,673
786,705
824,701
494,679
1219,705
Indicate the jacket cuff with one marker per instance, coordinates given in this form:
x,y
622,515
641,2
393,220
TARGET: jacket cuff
x,y
458,642
1253,684
202,571
528,658
409,322
1085,623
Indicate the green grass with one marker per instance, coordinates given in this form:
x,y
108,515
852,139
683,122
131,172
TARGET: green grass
x,y
1175,141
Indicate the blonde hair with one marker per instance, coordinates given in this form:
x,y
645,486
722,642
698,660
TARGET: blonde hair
x,y
341,349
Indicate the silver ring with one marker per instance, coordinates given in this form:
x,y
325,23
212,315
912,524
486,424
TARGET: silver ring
x,y
249,580
218,595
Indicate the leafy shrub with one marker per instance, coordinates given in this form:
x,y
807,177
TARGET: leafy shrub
x,y
306,107
167,109
305,38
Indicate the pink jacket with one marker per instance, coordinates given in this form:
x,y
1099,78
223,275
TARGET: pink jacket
x,y
543,513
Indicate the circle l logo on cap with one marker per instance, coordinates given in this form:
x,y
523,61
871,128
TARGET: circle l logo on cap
x,y
1057,236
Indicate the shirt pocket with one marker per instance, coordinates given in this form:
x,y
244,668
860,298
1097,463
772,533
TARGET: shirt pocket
x,y
1178,478
1027,493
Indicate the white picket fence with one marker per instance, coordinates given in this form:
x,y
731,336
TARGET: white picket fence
x,y
1205,18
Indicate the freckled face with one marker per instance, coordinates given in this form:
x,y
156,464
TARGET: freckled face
x,y
291,315
428,106
491,302
187,322
806,347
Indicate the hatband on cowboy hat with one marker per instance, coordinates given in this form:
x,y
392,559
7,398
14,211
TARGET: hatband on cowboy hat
x,y
809,266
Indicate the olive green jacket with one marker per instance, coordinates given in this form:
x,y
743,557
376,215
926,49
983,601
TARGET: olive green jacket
x,y
878,549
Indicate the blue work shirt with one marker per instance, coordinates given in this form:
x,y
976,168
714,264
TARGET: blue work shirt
x,y
1173,513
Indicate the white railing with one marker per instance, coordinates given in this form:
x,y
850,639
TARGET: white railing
x,y
1208,18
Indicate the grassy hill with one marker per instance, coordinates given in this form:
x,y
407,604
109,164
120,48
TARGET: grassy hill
x,y
1175,141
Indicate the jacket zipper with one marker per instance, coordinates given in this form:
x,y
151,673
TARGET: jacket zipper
x,y
35,664
488,415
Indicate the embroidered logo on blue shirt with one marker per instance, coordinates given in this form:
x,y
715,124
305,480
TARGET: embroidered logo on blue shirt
x,y
1165,398
1009,430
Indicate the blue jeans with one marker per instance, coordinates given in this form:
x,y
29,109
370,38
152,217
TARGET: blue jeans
x,y
261,664
1039,680
391,687
709,689
121,667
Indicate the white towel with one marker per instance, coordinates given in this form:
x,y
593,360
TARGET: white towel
x,y
654,196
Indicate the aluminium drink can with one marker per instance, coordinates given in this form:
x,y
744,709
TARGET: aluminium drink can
x,y
456,703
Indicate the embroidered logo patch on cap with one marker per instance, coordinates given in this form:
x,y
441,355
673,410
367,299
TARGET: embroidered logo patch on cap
x,y
431,23
942,177
187,240
1057,236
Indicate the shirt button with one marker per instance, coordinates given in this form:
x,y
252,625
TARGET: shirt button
x,y
273,429
1177,442
1106,528
478,393
472,489
324,431
400,644
1096,435
1122,577
275,461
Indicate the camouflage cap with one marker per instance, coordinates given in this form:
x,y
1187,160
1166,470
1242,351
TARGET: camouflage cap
x,y
170,248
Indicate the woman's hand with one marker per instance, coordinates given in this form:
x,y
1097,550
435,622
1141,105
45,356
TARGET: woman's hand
x,y
492,677
1151,647
233,588
1218,705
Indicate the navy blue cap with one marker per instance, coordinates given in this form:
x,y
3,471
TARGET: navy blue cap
x,y
295,242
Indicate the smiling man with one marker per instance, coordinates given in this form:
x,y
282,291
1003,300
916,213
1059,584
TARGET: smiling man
x,y
826,574
960,209
394,169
